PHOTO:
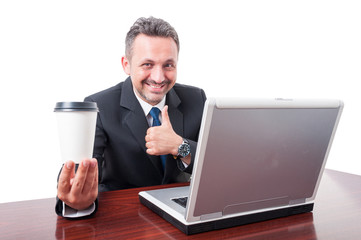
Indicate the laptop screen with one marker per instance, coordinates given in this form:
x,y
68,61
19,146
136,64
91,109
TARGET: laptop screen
x,y
260,155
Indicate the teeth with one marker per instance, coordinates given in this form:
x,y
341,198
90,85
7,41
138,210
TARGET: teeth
x,y
155,86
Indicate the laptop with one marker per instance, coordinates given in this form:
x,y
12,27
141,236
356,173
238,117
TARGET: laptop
x,y
256,159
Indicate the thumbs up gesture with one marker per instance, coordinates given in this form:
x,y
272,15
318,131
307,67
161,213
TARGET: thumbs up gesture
x,y
162,140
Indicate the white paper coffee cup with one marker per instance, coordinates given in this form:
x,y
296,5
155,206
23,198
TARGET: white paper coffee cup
x,y
76,129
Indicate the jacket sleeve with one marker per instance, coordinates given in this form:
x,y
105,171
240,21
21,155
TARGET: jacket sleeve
x,y
193,144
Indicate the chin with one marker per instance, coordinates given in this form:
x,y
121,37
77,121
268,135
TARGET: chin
x,y
153,98
154,101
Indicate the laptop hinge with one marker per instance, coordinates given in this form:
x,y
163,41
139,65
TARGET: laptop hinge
x,y
211,216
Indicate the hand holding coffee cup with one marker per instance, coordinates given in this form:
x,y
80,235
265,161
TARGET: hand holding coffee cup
x,y
76,125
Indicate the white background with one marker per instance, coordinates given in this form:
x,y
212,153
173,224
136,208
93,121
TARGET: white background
x,y
54,51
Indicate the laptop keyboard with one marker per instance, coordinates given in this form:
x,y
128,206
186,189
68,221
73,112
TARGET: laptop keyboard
x,y
181,201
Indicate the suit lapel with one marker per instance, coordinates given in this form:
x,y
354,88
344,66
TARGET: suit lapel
x,y
135,120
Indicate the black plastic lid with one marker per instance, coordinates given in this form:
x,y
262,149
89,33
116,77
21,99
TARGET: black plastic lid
x,y
76,106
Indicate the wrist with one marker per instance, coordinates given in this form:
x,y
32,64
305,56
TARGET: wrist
x,y
177,143
184,149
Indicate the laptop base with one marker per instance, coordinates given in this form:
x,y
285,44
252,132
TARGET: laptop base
x,y
228,222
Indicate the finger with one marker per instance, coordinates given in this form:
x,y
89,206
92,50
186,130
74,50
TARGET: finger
x,y
147,138
80,177
91,175
150,145
95,184
150,151
66,174
165,117
94,190
154,150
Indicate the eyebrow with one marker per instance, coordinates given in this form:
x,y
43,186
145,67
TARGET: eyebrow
x,y
151,60
147,60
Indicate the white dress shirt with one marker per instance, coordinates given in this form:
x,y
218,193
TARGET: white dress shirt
x,y
147,107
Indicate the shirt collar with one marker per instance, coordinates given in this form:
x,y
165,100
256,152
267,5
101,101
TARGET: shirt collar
x,y
147,107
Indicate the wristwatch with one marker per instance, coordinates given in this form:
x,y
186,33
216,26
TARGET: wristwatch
x,y
184,149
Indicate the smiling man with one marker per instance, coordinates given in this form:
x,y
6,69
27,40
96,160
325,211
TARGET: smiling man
x,y
147,126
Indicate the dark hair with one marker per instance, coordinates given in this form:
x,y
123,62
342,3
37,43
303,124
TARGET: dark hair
x,y
151,27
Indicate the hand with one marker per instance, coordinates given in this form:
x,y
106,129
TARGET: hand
x,y
162,140
79,190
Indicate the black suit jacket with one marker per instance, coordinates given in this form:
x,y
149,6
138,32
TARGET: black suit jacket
x,y
120,136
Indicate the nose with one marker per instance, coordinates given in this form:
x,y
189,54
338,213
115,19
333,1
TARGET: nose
x,y
157,74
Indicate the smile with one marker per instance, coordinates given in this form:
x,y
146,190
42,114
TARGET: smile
x,y
156,86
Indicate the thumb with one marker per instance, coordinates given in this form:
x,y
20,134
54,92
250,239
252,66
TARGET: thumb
x,y
165,117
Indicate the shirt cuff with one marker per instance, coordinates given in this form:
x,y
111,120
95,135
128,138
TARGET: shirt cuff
x,y
73,213
184,164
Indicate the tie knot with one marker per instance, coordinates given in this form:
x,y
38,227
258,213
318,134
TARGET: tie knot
x,y
154,112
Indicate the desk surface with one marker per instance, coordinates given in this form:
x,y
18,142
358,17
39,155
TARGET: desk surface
x,y
336,215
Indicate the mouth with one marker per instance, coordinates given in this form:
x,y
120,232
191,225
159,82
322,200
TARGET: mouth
x,y
156,87
153,92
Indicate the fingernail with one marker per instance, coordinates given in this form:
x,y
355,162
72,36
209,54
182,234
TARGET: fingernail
x,y
85,163
68,165
93,163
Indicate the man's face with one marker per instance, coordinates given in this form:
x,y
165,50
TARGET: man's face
x,y
152,67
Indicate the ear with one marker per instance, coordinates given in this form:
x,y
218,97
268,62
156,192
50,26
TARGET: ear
x,y
126,65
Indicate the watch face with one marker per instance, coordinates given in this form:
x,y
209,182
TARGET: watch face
x,y
184,150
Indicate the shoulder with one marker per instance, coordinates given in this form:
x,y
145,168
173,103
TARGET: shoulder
x,y
107,94
187,91
108,100
189,97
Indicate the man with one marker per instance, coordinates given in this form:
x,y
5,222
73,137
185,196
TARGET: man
x,y
130,150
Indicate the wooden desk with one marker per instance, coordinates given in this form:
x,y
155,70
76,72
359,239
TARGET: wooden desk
x,y
337,215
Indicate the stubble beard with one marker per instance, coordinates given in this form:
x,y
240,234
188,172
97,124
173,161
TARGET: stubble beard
x,y
154,97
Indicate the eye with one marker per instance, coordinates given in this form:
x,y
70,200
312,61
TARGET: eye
x,y
146,65
169,66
